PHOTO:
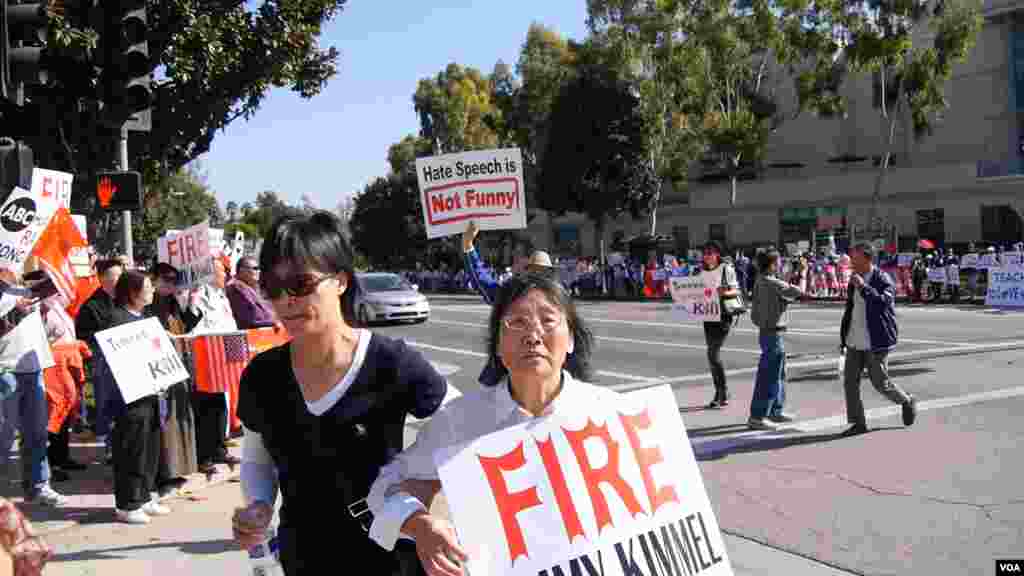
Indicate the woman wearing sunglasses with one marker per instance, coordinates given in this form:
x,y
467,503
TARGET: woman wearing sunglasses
x,y
323,413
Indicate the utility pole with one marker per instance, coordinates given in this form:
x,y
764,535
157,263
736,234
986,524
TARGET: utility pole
x,y
126,215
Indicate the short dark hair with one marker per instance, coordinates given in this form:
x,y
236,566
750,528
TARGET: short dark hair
x,y
103,265
864,248
128,286
712,245
766,259
317,241
515,288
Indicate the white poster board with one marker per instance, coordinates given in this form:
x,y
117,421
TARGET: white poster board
x,y
53,184
216,236
142,358
79,257
595,490
969,261
23,217
1005,287
485,186
695,298
189,252
1012,259
937,275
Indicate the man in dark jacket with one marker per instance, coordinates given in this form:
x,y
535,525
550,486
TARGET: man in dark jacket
x,y
95,316
867,335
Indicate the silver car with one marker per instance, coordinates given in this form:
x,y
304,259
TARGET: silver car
x,y
384,296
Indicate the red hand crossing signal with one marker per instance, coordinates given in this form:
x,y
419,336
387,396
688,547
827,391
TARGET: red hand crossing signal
x,y
119,190
105,191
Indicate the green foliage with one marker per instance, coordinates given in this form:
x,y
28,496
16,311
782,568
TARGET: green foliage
x,y
453,108
387,222
266,210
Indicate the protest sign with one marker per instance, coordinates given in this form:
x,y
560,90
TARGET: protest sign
x,y
142,358
969,261
79,257
485,186
217,243
23,217
905,259
987,260
189,252
1012,259
937,275
53,186
161,245
1005,287
613,485
695,298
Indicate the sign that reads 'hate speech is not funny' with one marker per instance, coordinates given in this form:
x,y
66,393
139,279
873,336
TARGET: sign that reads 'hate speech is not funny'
x,y
612,489
142,358
484,185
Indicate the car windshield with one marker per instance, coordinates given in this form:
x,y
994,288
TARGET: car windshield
x,y
384,283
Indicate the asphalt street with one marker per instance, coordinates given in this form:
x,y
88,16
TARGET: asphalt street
x,y
942,497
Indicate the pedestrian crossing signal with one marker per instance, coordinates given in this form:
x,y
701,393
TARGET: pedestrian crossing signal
x,y
118,191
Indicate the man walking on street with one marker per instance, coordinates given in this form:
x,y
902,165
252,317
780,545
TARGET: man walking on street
x,y
867,335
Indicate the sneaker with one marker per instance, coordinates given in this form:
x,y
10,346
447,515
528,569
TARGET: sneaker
x,y
47,496
154,508
137,516
782,417
760,424
910,411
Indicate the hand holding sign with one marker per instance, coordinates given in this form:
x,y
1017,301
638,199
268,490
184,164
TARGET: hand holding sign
x,y
436,545
469,236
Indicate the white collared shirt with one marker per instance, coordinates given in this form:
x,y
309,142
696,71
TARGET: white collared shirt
x,y
860,337
466,418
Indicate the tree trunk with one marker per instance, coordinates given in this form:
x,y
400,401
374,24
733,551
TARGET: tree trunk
x,y
883,172
734,165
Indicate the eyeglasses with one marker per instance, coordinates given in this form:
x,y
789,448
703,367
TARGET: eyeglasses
x,y
296,286
547,324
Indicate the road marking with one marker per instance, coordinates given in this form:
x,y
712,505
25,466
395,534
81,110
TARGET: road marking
x,y
445,370
829,360
475,354
816,332
628,340
710,447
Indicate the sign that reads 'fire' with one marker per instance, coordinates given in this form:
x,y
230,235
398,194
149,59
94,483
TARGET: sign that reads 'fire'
x,y
483,185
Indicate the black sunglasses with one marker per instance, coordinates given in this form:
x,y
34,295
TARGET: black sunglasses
x,y
296,286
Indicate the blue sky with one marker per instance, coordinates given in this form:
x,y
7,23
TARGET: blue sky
x,y
332,145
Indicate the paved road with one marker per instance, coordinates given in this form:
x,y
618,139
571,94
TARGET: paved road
x,y
943,497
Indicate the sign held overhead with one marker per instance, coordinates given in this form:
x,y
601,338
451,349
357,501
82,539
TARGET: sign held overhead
x,y
482,185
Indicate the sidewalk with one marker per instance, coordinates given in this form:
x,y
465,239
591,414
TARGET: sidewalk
x,y
90,492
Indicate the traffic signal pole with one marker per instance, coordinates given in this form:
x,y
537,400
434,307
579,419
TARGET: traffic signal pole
x,y
126,215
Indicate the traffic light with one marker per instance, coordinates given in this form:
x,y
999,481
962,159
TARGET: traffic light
x,y
126,66
116,191
15,166
22,47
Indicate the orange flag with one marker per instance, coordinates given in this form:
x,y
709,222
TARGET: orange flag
x,y
60,237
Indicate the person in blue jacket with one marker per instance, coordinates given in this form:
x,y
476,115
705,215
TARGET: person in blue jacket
x,y
486,283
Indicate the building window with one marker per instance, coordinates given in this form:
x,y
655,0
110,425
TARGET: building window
x,y
1000,225
931,225
681,235
716,232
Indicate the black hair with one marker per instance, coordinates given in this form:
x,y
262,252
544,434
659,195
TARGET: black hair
x,y
516,287
103,265
713,245
315,240
766,259
128,286
864,248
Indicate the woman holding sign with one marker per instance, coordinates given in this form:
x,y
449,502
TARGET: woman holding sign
x,y
533,327
136,437
715,333
324,412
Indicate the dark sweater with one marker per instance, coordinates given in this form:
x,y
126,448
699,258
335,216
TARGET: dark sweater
x,y
325,463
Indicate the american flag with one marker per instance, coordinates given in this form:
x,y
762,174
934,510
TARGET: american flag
x,y
219,361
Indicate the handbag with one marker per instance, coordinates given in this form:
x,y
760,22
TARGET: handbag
x,y
733,306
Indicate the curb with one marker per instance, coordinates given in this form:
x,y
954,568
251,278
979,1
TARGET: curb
x,y
196,482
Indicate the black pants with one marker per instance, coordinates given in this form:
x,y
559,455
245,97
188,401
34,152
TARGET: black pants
x,y
58,452
136,451
211,414
715,334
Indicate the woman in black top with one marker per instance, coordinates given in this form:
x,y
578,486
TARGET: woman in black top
x,y
136,439
323,413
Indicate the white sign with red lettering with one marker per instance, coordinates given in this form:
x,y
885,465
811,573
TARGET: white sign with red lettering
x,y
484,185
612,491
52,184
142,358
23,217
189,252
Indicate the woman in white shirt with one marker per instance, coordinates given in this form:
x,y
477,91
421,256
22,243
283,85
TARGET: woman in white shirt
x,y
533,326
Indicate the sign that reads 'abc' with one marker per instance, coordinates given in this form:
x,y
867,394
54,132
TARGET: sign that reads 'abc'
x,y
18,214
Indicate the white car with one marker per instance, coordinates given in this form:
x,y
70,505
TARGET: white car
x,y
387,297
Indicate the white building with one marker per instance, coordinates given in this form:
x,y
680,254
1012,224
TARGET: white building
x,y
963,183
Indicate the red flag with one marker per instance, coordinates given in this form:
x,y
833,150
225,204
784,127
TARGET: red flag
x,y
56,242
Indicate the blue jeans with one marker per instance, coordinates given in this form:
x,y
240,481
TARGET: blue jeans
x,y
769,388
24,407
